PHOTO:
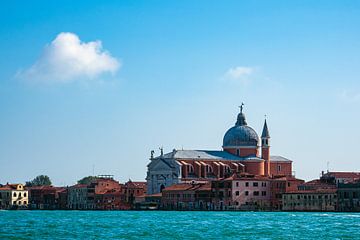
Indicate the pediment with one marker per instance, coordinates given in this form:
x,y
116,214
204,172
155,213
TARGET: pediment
x,y
159,165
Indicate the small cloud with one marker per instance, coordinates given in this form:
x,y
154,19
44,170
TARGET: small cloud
x,y
350,96
239,74
67,59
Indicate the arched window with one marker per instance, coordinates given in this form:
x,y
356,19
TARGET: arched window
x,y
209,169
190,168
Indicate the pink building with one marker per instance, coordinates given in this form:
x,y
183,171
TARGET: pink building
x,y
241,192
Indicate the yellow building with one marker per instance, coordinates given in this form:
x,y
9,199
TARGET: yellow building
x,y
13,196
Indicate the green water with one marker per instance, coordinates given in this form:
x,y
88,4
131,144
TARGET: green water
x,y
177,225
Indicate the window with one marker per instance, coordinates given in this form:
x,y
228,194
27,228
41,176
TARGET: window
x,y
238,152
25,202
279,168
237,193
24,194
237,184
263,184
246,193
14,194
288,184
246,184
263,193
255,184
256,193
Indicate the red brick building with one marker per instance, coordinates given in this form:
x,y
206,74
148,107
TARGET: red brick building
x,y
187,197
47,197
132,190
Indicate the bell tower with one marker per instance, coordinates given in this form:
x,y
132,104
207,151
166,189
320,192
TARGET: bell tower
x,y
265,148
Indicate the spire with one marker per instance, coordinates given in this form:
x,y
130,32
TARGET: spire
x,y
265,132
241,121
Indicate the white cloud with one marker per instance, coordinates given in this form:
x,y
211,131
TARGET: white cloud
x,y
68,59
239,74
350,96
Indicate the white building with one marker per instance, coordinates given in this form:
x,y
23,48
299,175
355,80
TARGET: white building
x,y
13,196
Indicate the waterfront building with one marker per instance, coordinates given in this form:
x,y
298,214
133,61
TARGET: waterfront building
x,y
316,195
310,200
13,196
104,193
280,185
42,197
241,192
349,196
185,196
340,177
134,191
242,152
78,197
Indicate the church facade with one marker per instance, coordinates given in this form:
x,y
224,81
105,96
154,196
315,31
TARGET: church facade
x,y
243,153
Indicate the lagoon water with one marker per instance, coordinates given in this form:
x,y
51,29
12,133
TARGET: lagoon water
x,y
177,225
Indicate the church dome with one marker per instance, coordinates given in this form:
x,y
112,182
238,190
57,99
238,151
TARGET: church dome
x,y
241,134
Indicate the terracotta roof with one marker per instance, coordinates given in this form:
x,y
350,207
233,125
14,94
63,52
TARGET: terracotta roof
x,y
188,187
79,186
317,184
40,188
321,190
237,176
343,174
135,184
10,186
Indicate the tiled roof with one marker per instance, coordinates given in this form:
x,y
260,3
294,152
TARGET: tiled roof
x,y
320,190
353,175
135,184
279,159
317,184
79,186
10,187
200,155
187,187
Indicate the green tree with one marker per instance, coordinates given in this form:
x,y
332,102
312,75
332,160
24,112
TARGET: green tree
x,y
41,180
87,180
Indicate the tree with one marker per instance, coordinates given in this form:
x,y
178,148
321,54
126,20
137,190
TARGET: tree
x,y
41,180
87,180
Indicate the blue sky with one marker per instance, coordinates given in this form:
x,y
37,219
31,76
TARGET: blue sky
x,y
171,74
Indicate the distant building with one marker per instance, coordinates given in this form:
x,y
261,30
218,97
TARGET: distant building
x,y
13,196
247,192
104,193
349,196
134,192
241,154
315,195
187,197
78,198
340,177
310,200
280,185
46,197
